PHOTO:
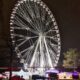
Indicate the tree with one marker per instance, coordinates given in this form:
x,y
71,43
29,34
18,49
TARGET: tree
x,y
71,59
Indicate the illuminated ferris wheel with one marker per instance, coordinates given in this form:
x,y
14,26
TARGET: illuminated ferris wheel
x,y
35,34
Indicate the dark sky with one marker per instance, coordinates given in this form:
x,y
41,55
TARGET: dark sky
x,y
67,14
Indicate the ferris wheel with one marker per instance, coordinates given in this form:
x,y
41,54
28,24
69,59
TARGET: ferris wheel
x,y
35,34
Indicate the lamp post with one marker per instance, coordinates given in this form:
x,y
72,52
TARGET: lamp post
x,y
10,45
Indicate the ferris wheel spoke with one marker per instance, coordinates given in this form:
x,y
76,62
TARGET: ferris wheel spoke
x,y
24,19
18,22
32,16
24,28
30,10
19,35
54,59
54,39
43,20
52,54
43,15
29,48
51,30
41,52
37,11
53,46
22,25
54,49
33,13
26,49
48,55
20,40
27,38
35,53
22,43
49,24
37,18
28,52
48,20
24,13
24,37
26,22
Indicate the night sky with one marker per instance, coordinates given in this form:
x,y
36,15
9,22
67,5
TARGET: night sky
x,y
67,15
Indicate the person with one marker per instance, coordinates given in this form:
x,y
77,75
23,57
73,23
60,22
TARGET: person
x,y
22,78
53,76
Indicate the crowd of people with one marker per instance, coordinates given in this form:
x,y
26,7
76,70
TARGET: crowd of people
x,y
17,78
